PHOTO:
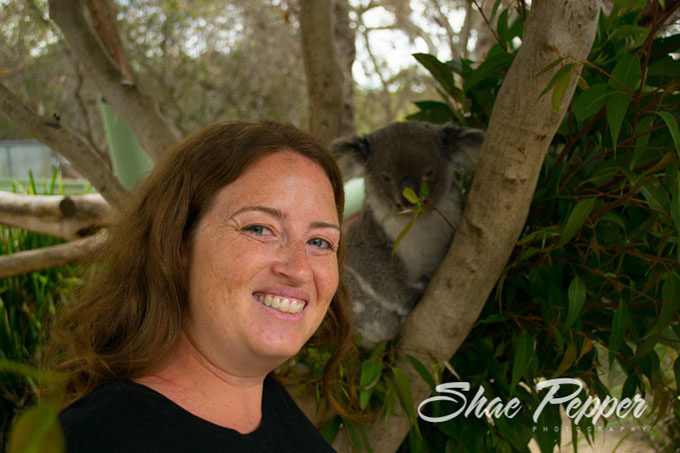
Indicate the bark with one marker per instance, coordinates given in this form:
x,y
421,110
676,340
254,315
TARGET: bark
x,y
322,69
345,39
103,18
65,217
84,158
47,257
465,32
138,109
498,204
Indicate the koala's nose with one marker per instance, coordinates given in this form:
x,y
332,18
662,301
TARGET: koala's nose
x,y
407,182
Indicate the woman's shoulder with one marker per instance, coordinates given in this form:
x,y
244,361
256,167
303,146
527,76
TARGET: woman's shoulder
x,y
113,417
291,425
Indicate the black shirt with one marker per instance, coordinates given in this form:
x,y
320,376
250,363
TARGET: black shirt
x,y
129,417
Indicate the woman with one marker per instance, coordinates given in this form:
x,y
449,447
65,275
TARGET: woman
x,y
221,268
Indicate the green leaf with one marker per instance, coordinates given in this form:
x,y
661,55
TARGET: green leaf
x,y
405,231
502,27
371,370
672,124
390,401
675,204
670,295
567,360
642,131
422,371
560,88
667,66
617,106
37,430
619,325
8,366
627,72
491,67
441,73
566,69
523,354
576,219
410,195
577,297
330,429
590,101
352,433
405,396
549,66
424,191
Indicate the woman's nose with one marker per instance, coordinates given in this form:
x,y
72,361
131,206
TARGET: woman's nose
x,y
293,263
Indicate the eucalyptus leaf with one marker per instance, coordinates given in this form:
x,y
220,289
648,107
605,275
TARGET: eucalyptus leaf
x,y
672,124
619,325
627,72
591,101
617,106
577,297
576,219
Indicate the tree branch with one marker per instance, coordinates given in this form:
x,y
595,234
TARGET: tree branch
x,y
323,71
65,217
47,257
105,24
138,110
51,132
499,200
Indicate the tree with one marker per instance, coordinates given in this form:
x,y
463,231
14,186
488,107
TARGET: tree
x,y
505,180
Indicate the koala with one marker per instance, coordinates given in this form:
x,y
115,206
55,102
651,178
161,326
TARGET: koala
x,y
385,288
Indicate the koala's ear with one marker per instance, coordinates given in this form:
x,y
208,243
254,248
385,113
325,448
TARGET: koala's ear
x,y
352,154
462,145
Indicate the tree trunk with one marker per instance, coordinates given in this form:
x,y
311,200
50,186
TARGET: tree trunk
x,y
345,44
322,69
496,210
138,110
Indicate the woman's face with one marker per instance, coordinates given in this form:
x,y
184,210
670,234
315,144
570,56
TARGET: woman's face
x,y
263,265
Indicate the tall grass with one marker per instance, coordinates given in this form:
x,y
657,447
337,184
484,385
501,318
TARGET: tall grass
x,y
28,304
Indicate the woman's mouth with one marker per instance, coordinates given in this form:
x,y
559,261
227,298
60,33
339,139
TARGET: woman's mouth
x,y
282,304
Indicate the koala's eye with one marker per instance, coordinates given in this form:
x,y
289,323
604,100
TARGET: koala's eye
x,y
386,178
428,174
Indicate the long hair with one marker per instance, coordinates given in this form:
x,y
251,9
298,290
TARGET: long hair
x,y
126,316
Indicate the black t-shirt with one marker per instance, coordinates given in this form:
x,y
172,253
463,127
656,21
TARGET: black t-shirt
x,y
129,417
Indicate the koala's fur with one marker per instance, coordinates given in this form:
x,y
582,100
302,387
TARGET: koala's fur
x,y
384,289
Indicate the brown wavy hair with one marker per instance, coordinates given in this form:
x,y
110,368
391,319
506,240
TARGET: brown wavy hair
x,y
126,316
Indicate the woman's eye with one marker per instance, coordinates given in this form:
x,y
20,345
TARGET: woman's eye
x,y
321,243
257,229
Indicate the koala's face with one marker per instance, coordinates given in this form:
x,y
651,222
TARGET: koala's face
x,y
405,155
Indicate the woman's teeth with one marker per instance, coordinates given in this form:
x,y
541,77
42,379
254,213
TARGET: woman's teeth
x,y
282,304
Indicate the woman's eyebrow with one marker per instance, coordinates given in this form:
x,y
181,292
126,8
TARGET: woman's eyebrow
x,y
272,211
325,225
277,213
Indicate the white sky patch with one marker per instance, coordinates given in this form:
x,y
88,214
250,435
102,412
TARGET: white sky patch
x,y
393,49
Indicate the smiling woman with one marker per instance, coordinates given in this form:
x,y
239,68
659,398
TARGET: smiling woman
x,y
224,264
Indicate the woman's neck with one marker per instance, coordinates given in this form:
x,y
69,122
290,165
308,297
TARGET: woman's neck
x,y
189,380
